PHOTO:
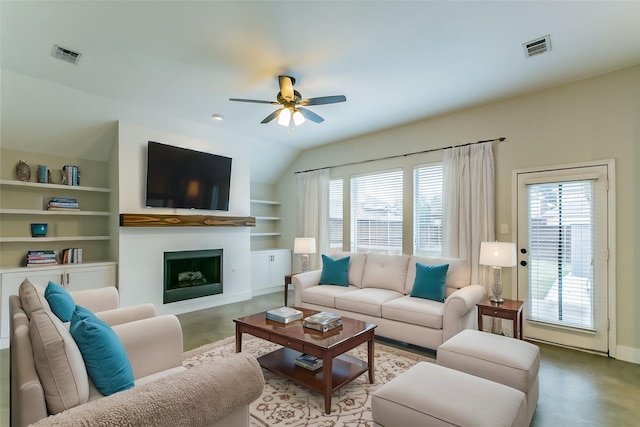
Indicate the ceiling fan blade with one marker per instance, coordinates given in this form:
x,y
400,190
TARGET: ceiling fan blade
x,y
310,115
255,101
323,100
286,87
272,116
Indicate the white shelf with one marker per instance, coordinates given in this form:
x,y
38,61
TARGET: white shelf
x,y
264,234
52,239
17,183
264,202
268,218
47,212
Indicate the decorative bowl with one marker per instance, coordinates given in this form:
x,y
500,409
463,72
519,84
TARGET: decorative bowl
x,y
38,230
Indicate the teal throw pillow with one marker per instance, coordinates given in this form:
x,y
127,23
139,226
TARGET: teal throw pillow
x,y
335,271
430,281
60,301
104,355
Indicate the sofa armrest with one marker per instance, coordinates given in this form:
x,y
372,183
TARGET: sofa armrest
x,y
118,316
198,396
152,345
99,299
460,310
304,280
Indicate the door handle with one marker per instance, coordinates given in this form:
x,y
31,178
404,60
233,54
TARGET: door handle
x,y
523,250
523,263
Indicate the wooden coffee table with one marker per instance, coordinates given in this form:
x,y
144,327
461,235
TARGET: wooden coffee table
x,y
330,346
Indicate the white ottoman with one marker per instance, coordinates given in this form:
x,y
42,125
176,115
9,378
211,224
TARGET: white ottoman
x,y
432,395
505,360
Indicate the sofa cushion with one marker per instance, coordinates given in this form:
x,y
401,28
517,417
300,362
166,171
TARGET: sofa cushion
x,y
59,363
32,298
356,266
324,295
60,301
384,271
366,301
104,355
458,274
419,311
430,281
334,271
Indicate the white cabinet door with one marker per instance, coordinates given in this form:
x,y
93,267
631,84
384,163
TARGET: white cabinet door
x,y
268,268
280,267
82,278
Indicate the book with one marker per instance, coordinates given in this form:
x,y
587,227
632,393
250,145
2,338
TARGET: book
x,y
284,314
64,200
325,327
323,318
306,361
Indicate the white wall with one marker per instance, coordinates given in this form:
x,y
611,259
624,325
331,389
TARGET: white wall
x,y
141,249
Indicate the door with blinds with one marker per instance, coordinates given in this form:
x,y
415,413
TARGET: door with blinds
x,y
563,270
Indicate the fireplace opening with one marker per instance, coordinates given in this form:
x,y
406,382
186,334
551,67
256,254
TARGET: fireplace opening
x,y
192,274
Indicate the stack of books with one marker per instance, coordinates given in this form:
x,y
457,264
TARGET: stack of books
x,y
284,314
71,174
323,321
63,204
41,258
71,256
311,363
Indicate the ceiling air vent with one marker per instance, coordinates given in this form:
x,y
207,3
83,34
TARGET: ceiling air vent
x,y
537,46
66,55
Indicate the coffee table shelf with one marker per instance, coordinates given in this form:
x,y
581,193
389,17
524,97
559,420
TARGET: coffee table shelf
x,y
345,368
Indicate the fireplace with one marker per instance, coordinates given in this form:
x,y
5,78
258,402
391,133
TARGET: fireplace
x,y
192,274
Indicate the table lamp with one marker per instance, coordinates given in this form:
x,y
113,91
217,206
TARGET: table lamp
x,y
497,255
304,246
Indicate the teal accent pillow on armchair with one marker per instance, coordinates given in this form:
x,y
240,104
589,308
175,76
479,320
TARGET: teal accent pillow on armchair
x,y
104,355
335,271
60,301
430,281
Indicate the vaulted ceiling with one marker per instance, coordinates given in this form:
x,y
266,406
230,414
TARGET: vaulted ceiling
x,y
395,61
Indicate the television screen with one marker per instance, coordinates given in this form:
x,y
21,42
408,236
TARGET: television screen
x,y
182,178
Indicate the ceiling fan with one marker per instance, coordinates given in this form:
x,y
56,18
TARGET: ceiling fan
x,y
293,104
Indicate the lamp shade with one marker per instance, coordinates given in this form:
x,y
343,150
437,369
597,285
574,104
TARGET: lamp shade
x,y
498,254
304,245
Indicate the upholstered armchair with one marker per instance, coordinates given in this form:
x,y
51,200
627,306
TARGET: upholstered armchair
x,y
164,392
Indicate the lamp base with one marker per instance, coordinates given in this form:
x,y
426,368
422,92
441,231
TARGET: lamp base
x,y
497,300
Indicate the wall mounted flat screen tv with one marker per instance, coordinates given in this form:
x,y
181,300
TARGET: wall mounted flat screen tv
x,y
182,178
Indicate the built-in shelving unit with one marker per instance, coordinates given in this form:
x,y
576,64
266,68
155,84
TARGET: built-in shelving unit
x,y
26,202
265,224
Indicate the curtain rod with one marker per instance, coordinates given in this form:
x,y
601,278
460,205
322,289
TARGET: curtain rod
x,y
502,138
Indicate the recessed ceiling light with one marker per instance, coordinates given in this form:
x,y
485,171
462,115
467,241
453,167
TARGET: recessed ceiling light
x,y
217,116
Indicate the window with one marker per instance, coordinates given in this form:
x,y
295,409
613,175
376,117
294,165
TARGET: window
x,y
376,213
335,214
427,210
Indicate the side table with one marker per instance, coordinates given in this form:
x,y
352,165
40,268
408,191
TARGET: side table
x,y
287,282
509,309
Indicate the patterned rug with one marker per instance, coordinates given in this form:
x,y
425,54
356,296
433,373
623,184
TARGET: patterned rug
x,y
284,403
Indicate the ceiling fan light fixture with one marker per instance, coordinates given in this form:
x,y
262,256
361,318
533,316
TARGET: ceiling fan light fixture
x,y
298,118
285,117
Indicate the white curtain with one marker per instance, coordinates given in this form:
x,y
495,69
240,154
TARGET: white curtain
x,y
313,211
469,205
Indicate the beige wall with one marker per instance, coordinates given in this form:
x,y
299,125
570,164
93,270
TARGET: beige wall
x,y
592,119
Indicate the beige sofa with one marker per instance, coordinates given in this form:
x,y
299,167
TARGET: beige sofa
x,y
379,292
165,393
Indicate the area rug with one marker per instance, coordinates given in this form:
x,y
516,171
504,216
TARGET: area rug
x,y
284,403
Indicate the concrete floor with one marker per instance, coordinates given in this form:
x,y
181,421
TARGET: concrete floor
x,y
576,388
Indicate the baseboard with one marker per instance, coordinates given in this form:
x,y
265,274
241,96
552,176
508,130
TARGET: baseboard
x,y
628,354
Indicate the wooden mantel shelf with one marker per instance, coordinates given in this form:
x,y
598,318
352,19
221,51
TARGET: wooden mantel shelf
x,y
150,220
